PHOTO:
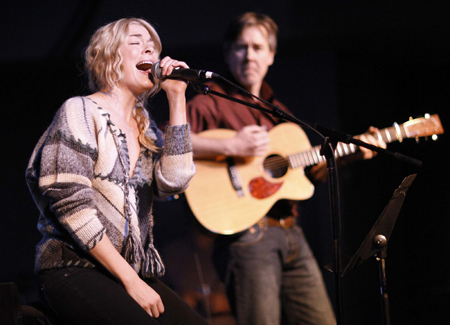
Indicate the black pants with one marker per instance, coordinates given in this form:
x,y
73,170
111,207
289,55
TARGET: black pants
x,y
87,296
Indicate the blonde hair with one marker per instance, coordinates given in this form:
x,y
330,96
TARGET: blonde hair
x,y
104,67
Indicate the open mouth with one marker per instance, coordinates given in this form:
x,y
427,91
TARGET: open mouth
x,y
144,65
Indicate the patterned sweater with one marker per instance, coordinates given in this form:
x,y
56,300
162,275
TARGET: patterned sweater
x,y
78,176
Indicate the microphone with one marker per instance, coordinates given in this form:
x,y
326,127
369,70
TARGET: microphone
x,y
182,73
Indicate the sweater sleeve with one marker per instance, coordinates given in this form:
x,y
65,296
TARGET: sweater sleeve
x,y
66,167
176,167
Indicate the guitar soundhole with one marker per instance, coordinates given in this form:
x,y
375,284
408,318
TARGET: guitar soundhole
x,y
276,166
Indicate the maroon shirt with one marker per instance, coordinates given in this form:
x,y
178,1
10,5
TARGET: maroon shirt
x,y
206,112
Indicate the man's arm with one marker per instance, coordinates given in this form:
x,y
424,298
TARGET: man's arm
x,y
250,141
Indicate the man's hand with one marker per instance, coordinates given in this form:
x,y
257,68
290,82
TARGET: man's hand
x,y
250,141
370,137
319,172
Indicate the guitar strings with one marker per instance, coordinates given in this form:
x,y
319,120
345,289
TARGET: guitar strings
x,y
275,162
278,161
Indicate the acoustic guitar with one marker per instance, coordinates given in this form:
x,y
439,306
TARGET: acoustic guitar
x,y
230,194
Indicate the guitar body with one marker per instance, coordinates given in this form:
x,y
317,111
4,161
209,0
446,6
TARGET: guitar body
x,y
229,195
221,208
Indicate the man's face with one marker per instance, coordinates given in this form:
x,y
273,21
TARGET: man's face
x,y
250,57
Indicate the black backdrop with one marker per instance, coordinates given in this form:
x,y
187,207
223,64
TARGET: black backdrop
x,y
343,64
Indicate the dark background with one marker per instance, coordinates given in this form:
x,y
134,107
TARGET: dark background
x,y
343,64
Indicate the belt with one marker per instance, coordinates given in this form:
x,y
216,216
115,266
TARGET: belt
x,y
284,223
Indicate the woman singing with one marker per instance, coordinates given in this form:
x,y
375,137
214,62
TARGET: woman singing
x,y
93,175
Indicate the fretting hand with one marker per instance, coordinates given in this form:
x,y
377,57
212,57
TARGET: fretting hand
x,y
319,172
369,137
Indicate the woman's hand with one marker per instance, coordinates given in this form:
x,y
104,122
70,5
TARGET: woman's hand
x,y
145,296
170,86
175,90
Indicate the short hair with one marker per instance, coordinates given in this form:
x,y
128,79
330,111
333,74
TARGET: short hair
x,y
102,56
238,24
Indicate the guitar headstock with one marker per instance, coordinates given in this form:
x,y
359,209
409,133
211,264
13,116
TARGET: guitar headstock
x,y
429,125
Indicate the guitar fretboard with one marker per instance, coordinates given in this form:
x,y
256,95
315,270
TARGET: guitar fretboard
x,y
313,157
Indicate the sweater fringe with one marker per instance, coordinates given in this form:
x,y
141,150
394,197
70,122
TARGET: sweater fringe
x,y
133,253
152,264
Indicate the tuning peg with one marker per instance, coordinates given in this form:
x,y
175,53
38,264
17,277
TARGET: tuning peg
x,y
434,137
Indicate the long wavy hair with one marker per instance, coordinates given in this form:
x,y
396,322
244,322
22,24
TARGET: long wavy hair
x,y
103,63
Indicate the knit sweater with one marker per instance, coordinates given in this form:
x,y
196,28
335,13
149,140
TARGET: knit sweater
x,y
78,176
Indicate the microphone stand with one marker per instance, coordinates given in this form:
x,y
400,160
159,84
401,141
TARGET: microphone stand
x,y
331,138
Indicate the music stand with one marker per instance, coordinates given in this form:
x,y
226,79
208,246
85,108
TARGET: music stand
x,y
375,243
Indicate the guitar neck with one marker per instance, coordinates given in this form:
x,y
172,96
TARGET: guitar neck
x,y
313,157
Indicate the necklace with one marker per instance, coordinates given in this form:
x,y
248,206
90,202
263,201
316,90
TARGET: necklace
x,y
125,126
